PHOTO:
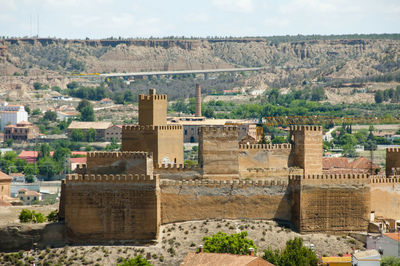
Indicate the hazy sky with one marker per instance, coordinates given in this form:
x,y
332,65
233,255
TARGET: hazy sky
x,y
132,18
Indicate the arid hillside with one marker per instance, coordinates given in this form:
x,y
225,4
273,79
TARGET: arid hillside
x,y
297,60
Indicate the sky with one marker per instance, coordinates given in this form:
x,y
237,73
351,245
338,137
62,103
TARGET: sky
x,y
96,19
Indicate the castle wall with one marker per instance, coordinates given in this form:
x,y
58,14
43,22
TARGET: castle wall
x,y
392,160
234,199
218,152
119,163
307,148
262,160
170,145
100,208
385,197
329,203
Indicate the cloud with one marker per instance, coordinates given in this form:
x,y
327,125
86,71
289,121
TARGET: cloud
x,y
242,6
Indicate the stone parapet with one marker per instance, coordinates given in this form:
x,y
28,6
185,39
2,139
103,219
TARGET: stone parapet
x,y
305,128
119,155
265,146
177,167
139,179
211,129
145,97
237,183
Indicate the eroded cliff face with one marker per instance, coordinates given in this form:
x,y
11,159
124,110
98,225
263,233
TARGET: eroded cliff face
x,y
331,58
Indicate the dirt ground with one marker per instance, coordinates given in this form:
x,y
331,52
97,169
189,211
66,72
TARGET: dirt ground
x,y
175,241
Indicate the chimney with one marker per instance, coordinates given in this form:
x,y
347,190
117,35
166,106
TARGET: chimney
x,y
251,251
152,91
198,100
200,249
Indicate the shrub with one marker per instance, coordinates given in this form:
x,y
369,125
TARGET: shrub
x,y
223,243
25,216
53,216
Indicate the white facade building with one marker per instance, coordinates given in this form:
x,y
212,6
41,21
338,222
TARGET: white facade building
x,y
12,114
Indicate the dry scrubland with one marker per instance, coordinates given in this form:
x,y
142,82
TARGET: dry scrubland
x,y
177,239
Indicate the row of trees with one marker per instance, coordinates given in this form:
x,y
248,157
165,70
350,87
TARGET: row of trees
x,y
392,95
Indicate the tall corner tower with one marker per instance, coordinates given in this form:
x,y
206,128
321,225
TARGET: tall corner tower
x,y
152,109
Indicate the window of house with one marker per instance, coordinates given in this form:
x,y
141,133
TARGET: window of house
x,y
28,198
21,198
34,198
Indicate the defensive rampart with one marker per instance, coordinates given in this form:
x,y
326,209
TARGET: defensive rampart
x,y
385,196
263,160
119,163
101,208
178,171
324,203
231,199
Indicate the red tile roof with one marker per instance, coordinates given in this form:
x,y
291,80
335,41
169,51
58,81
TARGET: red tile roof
x,y
211,259
333,162
394,236
78,160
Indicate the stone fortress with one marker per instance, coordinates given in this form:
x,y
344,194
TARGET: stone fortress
x,y
125,196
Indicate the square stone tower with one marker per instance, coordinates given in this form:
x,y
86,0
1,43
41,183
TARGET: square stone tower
x,y
307,148
153,134
153,109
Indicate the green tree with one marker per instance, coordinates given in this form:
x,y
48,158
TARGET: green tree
x,y
223,243
50,116
136,261
9,142
294,254
36,111
37,86
82,104
390,261
379,97
48,167
87,113
209,113
77,135
91,135
60,154
27,109
128,97
44,150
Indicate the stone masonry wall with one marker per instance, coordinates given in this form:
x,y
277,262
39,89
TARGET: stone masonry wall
x,y
385,197
258,160
119,163
218,152
234,199
101,208
332,203
392,160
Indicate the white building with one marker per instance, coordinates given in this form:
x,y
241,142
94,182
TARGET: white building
x,y
12,114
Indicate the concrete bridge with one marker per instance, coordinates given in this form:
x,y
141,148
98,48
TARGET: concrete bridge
x,y
205,72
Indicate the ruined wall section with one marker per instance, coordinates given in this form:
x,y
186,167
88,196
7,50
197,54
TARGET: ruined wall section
x,y
392,161
264,160
385,196
119,163
228,199
307,148
331,203
165,142
218,152
101,208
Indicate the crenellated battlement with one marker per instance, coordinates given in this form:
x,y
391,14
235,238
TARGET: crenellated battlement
x,y
331,179
79,178
305,128
393,150
120,155
136,128
382,179
226,129
216,183
146,97
285,146
177,167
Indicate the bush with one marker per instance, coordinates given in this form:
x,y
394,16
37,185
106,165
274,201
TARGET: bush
x,y
53,216
136,261
234,243
27,216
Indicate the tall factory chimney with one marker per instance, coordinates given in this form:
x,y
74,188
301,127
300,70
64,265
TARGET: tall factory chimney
x,y
198,100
